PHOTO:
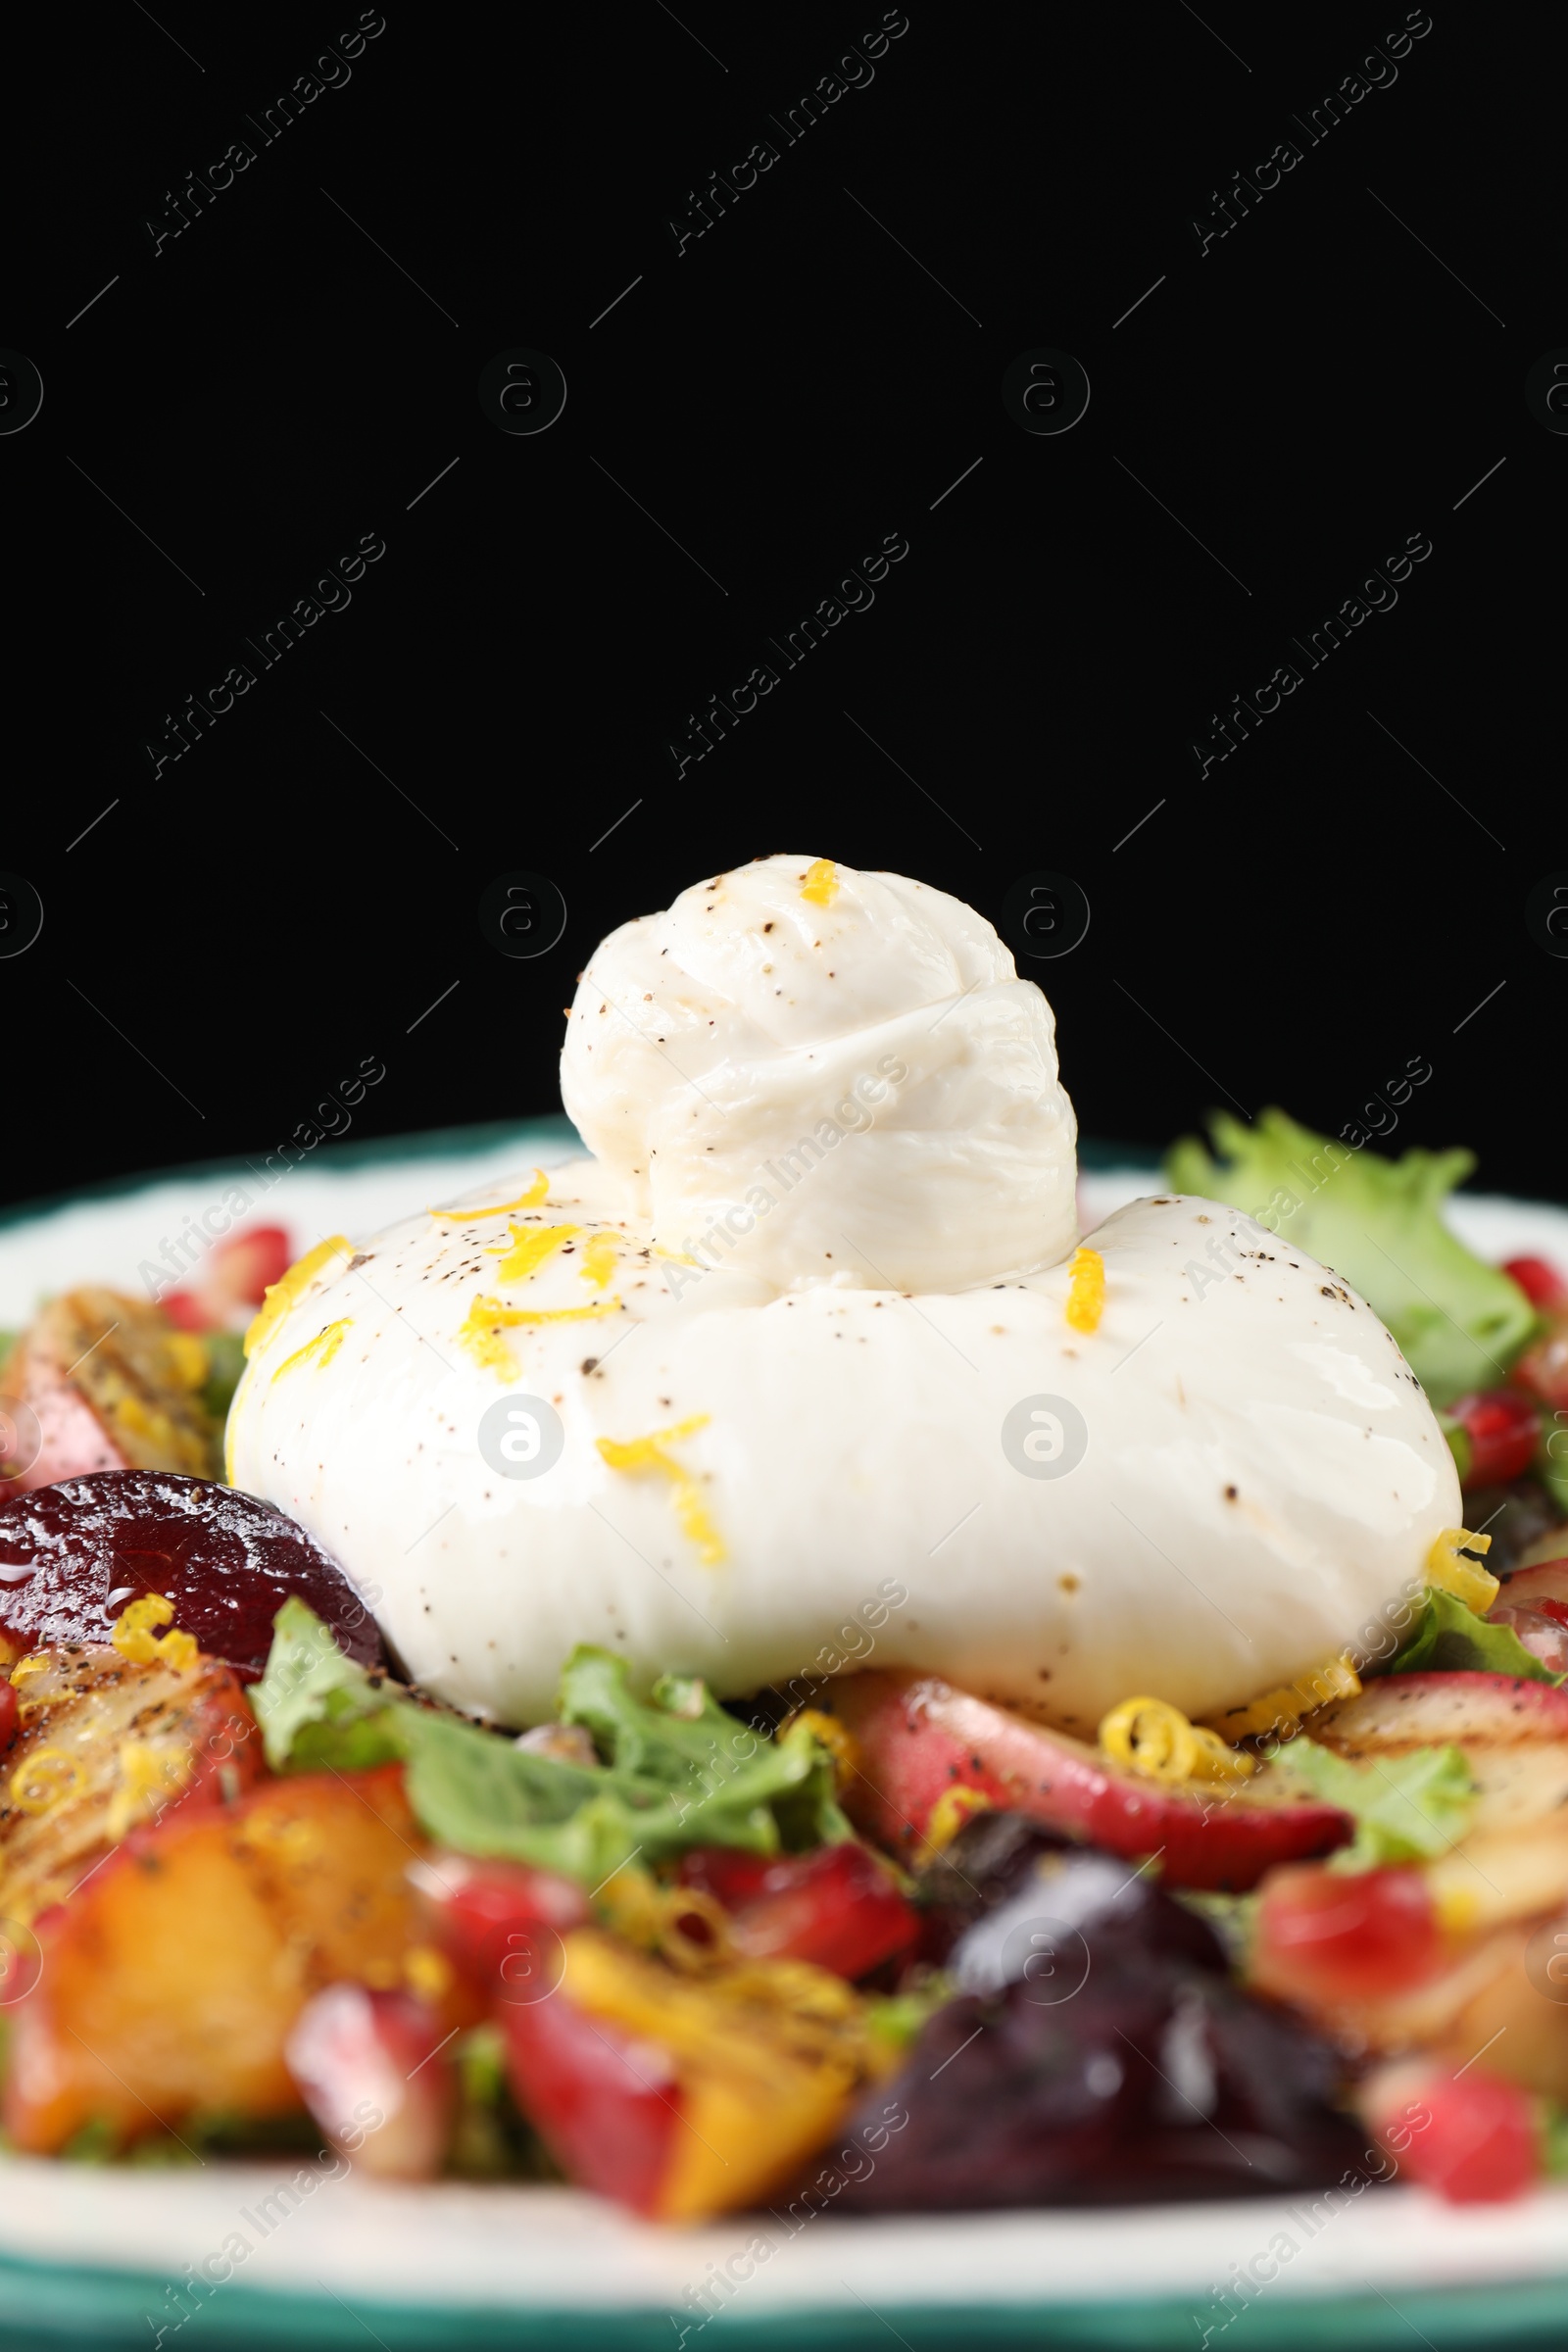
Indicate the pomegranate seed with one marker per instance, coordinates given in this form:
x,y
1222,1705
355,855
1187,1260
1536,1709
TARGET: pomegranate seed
x,y
837,1907
1469,2136
1543,1368
1505,1432
1540,1280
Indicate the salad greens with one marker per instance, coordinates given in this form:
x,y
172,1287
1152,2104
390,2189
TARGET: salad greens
x,y
678,1771
226,1362
1408,1808
1378,1222
1450,1639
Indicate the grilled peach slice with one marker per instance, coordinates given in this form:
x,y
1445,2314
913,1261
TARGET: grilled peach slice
x,y
1489,1996
102,1747
171,1982
925,1754
1515,1736
114,1386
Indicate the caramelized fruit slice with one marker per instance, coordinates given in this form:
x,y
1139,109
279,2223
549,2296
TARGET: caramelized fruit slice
x,y
924,1749
109,1383
104,1747
1514,1735
171,1982
72,1555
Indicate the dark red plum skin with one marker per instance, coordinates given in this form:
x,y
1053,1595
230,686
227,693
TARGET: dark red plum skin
x,y
1096,2052
73,1555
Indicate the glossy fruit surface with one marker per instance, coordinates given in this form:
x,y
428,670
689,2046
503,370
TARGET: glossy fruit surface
x,y
606,2102
1540,1280
72,1555
837,1907
231,1280
171,1977
369,2067
1468,2134
1543,1368
1324,1935
1544,1587
1542,1632
1057,1915
1513,1734
927,1748
1503,1428
1150,2083
500,1923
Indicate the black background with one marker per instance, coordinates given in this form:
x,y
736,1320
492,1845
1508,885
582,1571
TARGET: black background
x,y
1295,927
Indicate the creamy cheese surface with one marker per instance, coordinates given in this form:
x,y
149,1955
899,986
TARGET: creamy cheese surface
x,y
826,1076
740,1475
573,1408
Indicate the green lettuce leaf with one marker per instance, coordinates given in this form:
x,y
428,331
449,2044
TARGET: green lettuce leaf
x,y
1449,1639
317,1710
680,1771
1409,1808
1377,1222
226,1362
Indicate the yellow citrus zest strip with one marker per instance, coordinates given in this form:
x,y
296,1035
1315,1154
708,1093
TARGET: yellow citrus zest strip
x,y
133,1636
481,1334
1281,1711
837,1737
39,1663
1086,1293
324,1348
534,1197
281,1297
145,1772
568,1314
599,1259
527,1250
480,1331
953,1808
1476,1586
30,1796
819,885
1156,1738
649,1453
572,1314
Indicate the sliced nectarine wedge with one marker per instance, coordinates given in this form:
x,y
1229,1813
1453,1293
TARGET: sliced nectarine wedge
x,y
925,1754
170,1982
1514,1735
104,1746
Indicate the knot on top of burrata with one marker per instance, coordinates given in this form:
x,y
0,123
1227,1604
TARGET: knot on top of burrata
x,y
823,1075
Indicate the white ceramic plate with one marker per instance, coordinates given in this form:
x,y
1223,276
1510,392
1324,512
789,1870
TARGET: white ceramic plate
x,y
104,2256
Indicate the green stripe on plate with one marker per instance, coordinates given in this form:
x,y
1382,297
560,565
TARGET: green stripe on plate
x,y
43,2305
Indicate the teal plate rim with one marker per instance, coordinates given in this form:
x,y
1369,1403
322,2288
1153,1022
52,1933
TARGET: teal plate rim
x,y
49,2305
